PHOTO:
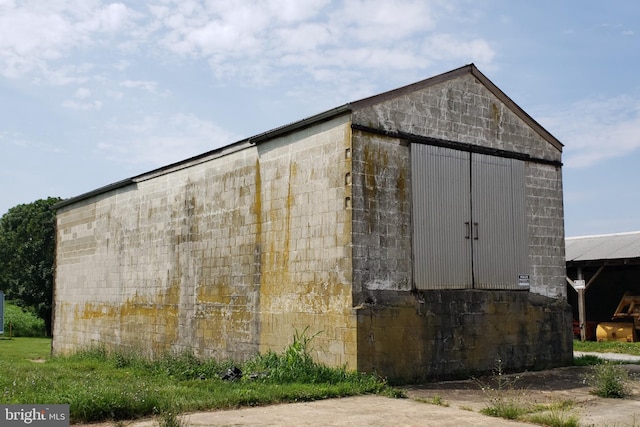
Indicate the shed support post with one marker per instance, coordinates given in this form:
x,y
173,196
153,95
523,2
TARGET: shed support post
x,y
581,308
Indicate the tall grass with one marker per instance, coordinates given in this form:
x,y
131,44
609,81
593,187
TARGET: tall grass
x,y
104,385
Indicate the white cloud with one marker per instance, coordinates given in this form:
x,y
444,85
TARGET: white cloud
x,y
447,47
83,106
157,140
82,93
257,42
140,84
242,37
597,129
383,21
33,34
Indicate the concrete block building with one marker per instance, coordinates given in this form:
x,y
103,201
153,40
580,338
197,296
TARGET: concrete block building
x,y
420,232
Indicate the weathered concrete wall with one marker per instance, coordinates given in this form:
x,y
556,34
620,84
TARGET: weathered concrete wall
x,y
381,216
230,256
306,246
545,219
463,110
409,335
224,258
448,334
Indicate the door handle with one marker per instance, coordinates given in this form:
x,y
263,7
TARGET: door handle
x,y
475,231
467,233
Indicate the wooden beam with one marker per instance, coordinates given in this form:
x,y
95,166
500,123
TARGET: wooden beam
x,y
582,317
593,278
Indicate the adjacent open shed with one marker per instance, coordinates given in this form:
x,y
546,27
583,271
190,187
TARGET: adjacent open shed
x,y
419,231
607,267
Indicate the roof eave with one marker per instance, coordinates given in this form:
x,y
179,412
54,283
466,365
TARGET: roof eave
x,y
210,155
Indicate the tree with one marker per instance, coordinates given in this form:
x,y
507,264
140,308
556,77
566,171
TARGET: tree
x,y
27,256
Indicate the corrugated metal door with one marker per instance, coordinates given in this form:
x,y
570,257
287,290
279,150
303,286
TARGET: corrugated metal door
x,y
469,227
441,214
500,239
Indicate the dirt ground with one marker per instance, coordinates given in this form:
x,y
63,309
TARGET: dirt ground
x,y
461,403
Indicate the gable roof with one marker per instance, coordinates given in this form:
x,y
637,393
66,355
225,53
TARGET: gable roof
x,y
624,247
467,69
324,116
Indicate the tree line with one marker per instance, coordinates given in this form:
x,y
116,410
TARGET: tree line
x,y
27,256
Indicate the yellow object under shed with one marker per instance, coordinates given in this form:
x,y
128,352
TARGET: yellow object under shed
x,y
615,331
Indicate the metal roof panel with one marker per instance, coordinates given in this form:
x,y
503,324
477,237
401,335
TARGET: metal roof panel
x,y
603,247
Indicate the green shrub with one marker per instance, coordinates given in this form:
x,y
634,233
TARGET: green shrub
x,y
609,380
21,323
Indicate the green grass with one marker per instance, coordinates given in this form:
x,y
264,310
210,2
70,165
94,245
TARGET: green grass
x,y
101,385
19,350
607,347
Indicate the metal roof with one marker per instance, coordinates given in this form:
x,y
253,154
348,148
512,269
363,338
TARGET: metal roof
x,y
327,115
621,246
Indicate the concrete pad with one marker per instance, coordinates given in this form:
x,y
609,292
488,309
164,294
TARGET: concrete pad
x,y
351,411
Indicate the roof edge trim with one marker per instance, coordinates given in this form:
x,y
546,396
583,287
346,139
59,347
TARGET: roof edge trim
x,y
210,155
545,134
92,193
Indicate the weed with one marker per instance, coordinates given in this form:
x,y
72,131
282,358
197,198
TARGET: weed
x,y
504,400
554,415
295,364
555,418
438,400
170,419
609,380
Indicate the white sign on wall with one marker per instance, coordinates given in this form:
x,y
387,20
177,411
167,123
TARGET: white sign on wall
x,y
579,284
523,280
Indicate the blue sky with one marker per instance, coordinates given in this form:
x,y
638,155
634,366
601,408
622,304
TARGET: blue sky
x,y
92,92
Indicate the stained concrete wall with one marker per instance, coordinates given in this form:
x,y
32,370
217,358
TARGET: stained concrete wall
x,y
224,258
451,334
230,256
408,335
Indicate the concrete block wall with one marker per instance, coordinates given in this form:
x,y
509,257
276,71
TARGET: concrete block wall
x,y
461,110
381,216
411,335
306,241
545,219
464,110
223,258
451,334
161,273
